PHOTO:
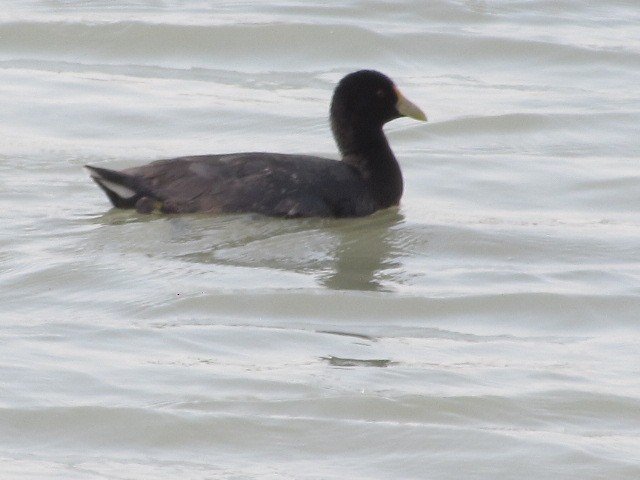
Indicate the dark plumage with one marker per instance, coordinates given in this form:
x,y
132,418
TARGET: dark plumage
x,y
367,179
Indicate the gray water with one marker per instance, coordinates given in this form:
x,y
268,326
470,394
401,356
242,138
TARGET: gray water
x,y
485,329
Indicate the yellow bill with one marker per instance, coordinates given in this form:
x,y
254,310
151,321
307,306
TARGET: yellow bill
x,y
408,108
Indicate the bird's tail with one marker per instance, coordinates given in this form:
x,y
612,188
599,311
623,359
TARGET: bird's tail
x,y
121,188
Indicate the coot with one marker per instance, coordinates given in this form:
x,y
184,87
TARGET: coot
x,y
368,177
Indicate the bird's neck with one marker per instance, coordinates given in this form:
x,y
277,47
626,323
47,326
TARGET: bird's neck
x,y
369,152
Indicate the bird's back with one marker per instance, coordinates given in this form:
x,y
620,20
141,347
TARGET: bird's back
x,y
267,183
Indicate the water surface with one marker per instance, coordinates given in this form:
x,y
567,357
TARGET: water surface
x,y
487,328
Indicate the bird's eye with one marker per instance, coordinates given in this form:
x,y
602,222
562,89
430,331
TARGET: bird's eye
x,y
381,93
